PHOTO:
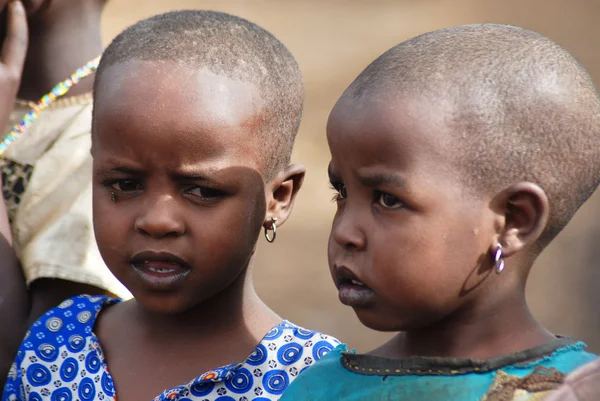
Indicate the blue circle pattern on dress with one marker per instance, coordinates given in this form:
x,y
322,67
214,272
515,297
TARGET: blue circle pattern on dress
x,y
304,334
258,356
87,389
274,333
92,362
276,381
62,394
57,361
321,348
76,343
241,382
33,396
38,375
289,353
61,360
69,370
47,352
201,388
107,385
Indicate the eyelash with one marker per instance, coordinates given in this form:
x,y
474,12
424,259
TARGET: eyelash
x,y
338,187
378,196
117,186
112,185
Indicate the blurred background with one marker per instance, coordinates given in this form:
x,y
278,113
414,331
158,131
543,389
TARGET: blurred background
x,y
333,41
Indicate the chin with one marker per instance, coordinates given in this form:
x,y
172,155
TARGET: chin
x,y
163,304
374,320
380,321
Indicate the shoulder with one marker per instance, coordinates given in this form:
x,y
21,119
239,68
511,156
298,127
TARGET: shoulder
x,y
319,343
74,315
570,357
283,354
56,345
69,325
321,380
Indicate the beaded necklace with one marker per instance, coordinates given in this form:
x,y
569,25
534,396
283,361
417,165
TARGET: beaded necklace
x,y
59,90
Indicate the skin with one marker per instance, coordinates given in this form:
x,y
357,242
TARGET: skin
x,y
187,179
14,305
422,243
54,50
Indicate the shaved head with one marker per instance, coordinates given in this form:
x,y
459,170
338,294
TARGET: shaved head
x,y
226,45
523,109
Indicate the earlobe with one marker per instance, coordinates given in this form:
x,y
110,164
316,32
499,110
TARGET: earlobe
x,y
526,212
283,190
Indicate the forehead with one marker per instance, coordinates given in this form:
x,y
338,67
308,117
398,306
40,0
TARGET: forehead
x,y
389,129
176,110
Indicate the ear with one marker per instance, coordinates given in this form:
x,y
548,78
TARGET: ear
x,y
525,210
281,194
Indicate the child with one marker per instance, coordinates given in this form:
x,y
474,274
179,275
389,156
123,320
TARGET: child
x,y
195,114
46,171
457,156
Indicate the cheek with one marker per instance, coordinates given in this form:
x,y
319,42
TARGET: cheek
x,y
112,232
421,257
106,222
231,232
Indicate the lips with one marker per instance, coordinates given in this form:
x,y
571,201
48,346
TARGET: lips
x,y
351,290
161,271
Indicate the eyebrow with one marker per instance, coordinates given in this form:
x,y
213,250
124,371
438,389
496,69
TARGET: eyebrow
x,y
333,177
377,179
177,176
127,170
373,180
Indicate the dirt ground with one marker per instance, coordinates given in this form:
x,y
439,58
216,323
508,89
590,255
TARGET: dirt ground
x,y
333,41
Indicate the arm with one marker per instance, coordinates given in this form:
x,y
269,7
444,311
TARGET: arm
x,y
14,303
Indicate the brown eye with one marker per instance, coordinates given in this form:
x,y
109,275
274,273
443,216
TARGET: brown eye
x,y
388,201
127,185
205,192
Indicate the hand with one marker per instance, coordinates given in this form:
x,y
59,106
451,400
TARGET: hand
x,y
12,58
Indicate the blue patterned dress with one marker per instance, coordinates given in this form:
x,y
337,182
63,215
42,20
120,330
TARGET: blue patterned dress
x,y
60,359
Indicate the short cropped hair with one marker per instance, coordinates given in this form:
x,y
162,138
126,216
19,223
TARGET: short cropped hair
x,y
228,45
524,109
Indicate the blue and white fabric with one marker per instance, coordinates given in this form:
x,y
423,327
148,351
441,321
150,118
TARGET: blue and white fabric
x,y
61,359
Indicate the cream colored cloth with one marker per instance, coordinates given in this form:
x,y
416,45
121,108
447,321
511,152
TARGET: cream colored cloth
x,y
581,385
52,220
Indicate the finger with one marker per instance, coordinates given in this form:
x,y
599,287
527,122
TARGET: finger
x,y
15,44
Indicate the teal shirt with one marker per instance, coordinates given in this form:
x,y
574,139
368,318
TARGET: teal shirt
x,y
348,376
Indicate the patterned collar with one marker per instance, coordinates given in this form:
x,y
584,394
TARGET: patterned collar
x,y
433,366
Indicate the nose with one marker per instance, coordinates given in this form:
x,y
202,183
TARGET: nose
x,y
160,218
347,230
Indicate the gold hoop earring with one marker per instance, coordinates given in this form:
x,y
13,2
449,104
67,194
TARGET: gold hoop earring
x,y
499,259
273,228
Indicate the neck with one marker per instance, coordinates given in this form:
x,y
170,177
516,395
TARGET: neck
x,y
237,309
489,333
63,38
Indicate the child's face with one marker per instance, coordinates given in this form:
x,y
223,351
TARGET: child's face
x,y
405,228
179,197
